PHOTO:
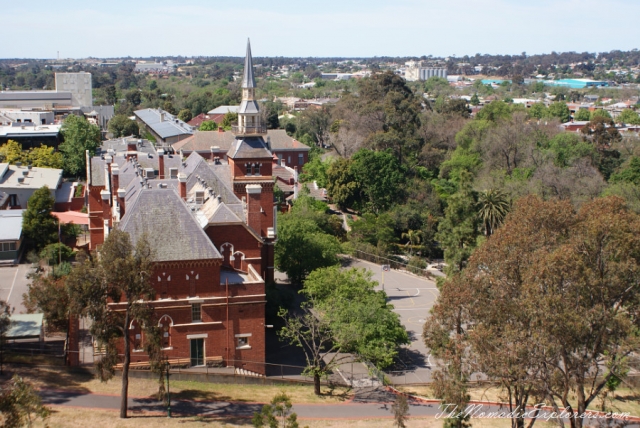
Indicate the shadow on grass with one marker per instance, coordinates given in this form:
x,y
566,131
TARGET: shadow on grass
x,y
197,408
199,395
61,378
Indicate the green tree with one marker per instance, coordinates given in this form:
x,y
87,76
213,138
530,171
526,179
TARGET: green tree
x,y
582,115
169,108
121,126
39,227
629,117
314,335
560,110
133,97
494,111
380,177
600,113
414,237
79,136
20,404
110,95
208,125
458,230
342,187
120,274
493,207
538,111
47,293
228,120
44,157
362,321
185,115
278,414
303,247
474,100
629,174
11,152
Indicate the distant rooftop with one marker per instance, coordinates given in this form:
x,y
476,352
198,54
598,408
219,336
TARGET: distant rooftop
x,y
12,176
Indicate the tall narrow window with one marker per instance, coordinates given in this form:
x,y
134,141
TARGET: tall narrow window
x,y
196,312
192,287
248,169
300,159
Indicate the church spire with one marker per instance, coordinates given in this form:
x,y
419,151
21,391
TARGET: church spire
x,y
249,121
248,81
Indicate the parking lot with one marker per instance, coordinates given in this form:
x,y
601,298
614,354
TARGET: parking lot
x,y
13,284
412,298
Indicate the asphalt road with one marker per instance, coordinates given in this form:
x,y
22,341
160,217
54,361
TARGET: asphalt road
x,y
13,284
363,409
412,297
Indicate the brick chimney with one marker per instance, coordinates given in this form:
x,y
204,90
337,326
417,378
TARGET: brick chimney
x,y
121,195
106,207
115,179
220,129
254,208
161,164
108,160
183,185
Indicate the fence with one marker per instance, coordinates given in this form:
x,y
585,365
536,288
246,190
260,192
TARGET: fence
x,y
393,264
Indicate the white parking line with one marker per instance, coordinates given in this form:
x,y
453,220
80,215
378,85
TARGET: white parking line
x,y
14,283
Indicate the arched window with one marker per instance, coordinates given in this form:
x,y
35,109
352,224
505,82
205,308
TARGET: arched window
x,y
165,325
136,334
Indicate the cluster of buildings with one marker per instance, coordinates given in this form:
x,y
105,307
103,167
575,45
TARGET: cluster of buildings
x,y
422,70
206,205
35,117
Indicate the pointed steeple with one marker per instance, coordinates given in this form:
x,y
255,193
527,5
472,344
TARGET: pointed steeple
x,y
248,81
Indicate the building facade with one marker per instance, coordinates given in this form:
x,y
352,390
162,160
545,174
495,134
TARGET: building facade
x,y
211,224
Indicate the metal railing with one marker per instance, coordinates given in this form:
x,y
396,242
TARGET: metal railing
x,y
249,130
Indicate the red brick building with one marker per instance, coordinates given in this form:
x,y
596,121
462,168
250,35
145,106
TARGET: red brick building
x,y
211,224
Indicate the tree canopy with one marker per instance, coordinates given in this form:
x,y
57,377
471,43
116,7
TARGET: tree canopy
x,y
39,226
79,135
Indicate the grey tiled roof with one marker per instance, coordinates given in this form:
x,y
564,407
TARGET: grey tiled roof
x,y
249,106
172,231
247,80
249,148
202,141
203,172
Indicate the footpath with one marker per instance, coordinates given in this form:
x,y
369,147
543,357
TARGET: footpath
x,y
368,403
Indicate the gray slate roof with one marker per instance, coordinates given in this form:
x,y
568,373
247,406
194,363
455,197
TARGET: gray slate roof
x,y
169,127
249,106
247,80
202,141
171,229
249,148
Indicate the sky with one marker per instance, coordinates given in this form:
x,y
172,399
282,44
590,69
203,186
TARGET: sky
x,y
329,28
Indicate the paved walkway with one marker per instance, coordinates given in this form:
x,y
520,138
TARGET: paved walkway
x,y
374,403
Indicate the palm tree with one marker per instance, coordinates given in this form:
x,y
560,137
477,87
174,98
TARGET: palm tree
x,y
414,237
493,207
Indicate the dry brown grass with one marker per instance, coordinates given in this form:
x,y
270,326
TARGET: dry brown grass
x,y
63,417
626,399
85,381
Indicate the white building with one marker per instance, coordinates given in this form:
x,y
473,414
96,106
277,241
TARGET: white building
x,y
417,70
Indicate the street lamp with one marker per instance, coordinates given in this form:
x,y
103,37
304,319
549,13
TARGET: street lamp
x,y
168,366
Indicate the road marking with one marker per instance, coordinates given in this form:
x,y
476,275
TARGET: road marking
x,y
14,283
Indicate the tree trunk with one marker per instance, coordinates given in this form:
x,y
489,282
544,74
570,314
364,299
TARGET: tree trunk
x,y
125,368
316,383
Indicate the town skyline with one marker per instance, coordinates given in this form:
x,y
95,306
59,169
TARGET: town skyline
x,y
284,28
